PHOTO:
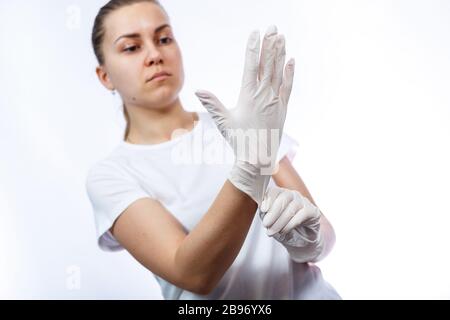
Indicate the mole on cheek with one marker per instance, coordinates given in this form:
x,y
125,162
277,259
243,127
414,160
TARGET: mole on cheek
x,y
134,99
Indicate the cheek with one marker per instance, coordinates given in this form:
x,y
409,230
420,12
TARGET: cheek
x,y
128,73
178,66
176,59
121,72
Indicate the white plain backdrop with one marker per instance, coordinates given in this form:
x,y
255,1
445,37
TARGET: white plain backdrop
x,y
370,108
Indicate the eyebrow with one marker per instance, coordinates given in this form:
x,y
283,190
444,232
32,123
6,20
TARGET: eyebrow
x,y
137,35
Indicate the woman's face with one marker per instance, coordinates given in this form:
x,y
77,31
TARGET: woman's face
x,y
138,44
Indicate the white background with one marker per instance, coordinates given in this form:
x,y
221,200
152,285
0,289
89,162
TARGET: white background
x,y
370,108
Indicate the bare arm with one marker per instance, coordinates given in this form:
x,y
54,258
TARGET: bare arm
x,y
194,261
287,177
198,260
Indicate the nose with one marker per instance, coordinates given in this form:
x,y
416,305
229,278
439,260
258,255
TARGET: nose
x,y
153,56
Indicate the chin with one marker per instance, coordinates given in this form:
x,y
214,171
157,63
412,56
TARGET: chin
x,y
162,99
166,92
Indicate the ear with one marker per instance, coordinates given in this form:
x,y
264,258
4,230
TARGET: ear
x,y
104,78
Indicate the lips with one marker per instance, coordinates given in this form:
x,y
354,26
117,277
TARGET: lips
x,y
158,74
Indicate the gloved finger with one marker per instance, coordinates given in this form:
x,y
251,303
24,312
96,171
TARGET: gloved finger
x,y
296,221
286,216
268,55
306,214
217,110
280,203
313,211
303,233
280,58
288,79
251,66
270,196
272,30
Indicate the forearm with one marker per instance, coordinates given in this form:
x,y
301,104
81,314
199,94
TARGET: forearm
x,y
211,247
215,242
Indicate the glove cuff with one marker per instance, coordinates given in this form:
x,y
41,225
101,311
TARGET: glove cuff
x,y
249,179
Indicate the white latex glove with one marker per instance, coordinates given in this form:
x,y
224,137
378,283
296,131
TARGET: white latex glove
x,y
259,115
291,218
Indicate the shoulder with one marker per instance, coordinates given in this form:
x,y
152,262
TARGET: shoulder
x,y
110,166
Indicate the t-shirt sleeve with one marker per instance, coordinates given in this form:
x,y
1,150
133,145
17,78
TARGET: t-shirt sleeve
x,y
111,190
288,147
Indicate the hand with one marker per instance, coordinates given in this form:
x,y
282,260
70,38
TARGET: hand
x,y
291,218
260,113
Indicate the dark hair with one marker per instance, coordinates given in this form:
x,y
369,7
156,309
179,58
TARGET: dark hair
x,y
98,35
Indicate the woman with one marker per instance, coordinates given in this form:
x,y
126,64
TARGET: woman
x,y
187,215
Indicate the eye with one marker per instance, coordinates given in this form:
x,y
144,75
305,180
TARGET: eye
x,y
165,40
130,49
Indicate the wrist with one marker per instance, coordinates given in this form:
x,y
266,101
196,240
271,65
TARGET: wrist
x,y
248,178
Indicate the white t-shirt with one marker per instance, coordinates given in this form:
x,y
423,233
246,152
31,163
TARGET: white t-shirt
x,y
186,174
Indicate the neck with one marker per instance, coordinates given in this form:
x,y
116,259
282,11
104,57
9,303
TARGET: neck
x,y
152,126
